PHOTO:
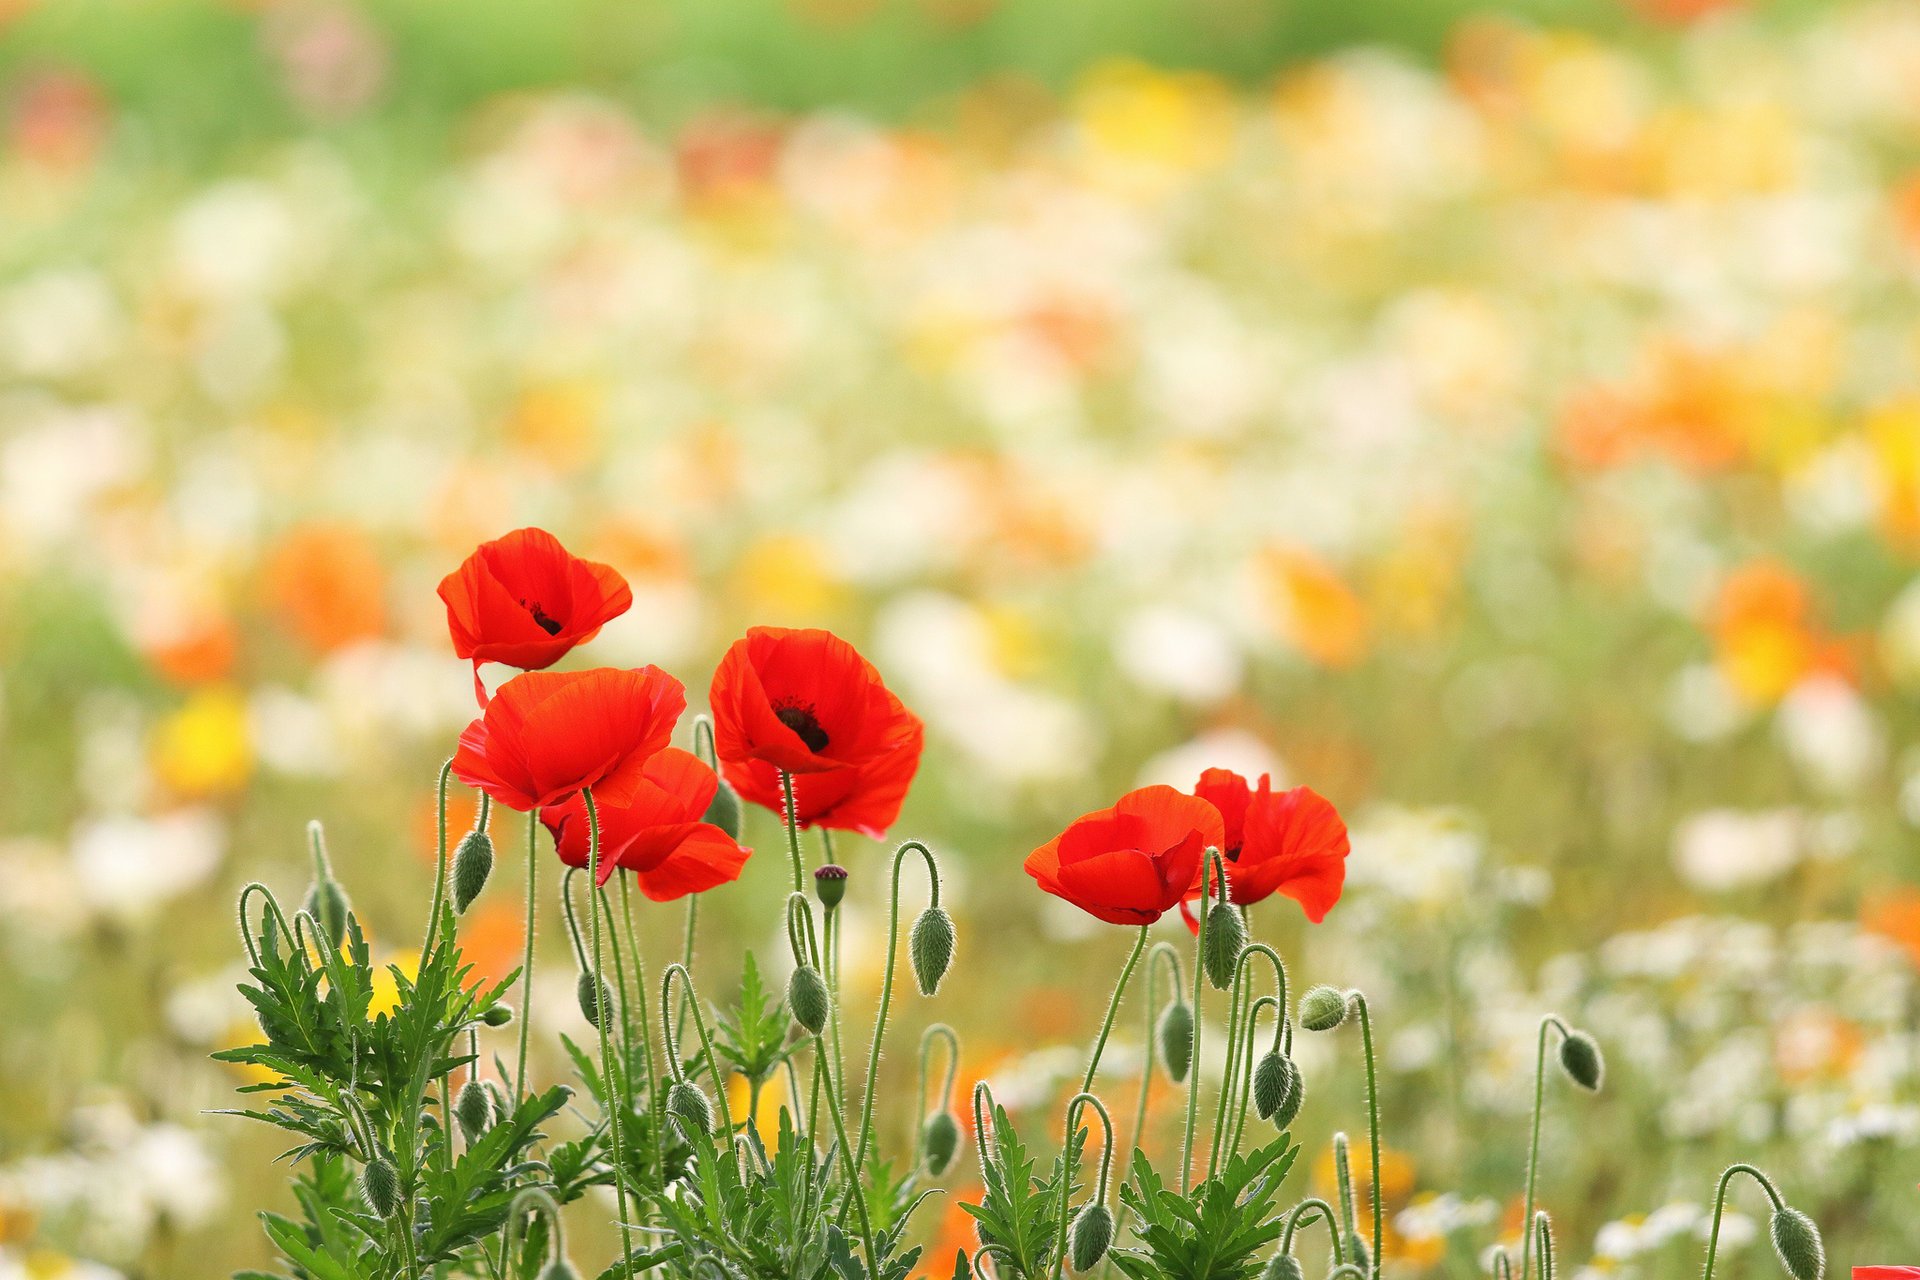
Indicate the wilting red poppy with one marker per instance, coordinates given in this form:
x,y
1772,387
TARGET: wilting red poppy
x,y
546,734
805,702
658,834
864,798
1291,842
1130,863
525,600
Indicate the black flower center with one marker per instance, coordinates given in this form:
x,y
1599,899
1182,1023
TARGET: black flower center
x,y
549,625
803,723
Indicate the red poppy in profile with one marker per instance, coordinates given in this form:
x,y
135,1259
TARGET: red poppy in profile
x,y
803,702
1133,862
546,734
1290,842
658,835
525,600
864,798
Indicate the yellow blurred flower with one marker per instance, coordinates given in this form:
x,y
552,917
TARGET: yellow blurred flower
x,y
766,1115
1179,121
205,748
386,988
1312,607
559,423
786,577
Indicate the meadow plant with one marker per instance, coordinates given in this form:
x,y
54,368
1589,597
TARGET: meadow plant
x,y
416,1154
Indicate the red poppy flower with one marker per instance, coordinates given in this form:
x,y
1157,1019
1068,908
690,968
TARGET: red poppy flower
x,y
864,798
1130,863
805,702
658,834
547,734
1291,842
524,600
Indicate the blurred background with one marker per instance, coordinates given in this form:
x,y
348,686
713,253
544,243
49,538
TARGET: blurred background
x,y
1502,419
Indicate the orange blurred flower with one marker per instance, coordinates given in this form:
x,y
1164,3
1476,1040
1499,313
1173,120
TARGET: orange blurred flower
x,y
1312,606
1766,635
326,584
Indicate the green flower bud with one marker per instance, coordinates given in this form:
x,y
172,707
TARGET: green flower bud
x,y
1580,1059
1284,1266
1797,1241
594,995
498,1015
1226,939
1358,1253
940,1139
473,1108
1176,1039
1322,1009
380,1184
327,902
1292,1097
931,948
560,1269
830,885
1092,1232
472,864
689,1105
807,997
1269,1085
723,811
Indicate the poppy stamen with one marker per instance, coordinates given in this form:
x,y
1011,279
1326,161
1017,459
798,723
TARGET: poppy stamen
x,y
549,625
805,725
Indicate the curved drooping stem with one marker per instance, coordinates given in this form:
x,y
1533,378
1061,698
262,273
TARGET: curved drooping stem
x,y
982,1115
1209,861
1171,954
1325,1211
1544,1229
274,915
934,1031
674,1063
440,857
1246,1064
526,961
886,986
614,1106
1548,1023
539,1201
1075,1105
1720,1204
1236,1081
1502,1264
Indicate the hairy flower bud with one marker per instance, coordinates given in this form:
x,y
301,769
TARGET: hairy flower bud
x,y
1292,1097
560,1269
723,811
1322,1009
498,1015
689,1105
594,995
1283,1266
931,948
1580,1059
940,1139
1092,1232
472,864
327,903
1269,1085
807,998
1797,1241
380,1184
830,885
1358,1253
1176,1039
473,1108
1226,939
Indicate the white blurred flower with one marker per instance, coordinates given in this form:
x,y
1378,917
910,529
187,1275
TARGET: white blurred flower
x,y
1178,652
1180,767
1831,733
129,867
59,321
1422,855
236,240
59,460
1725,849
1701,706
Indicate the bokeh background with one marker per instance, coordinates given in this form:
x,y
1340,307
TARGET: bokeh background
x,y
1504,420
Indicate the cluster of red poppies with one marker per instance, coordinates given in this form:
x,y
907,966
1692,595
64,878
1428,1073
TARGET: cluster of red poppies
x,y
800,711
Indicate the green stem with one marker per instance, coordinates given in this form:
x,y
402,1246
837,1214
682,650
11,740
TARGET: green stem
x,y
614,1106
1239,1024
838,1114
1075,1105
1113,1010
935,1031
793,831
1246,1067
1373,1124
1171,954
646,1029
526,963
1720,1204
1326,1215
1209,860
706,1041
440,863
1533,1156
886,988
1545,1231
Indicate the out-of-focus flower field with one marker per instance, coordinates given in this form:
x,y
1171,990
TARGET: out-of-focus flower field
x,y
1517,441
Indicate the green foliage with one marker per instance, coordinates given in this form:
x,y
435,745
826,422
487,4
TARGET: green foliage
x,y
752,1036
1217,1231
1018,1216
